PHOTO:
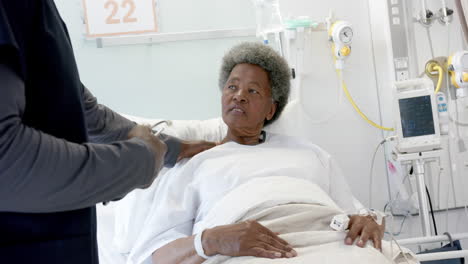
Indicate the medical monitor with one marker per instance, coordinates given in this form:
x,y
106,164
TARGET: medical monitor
x,y
417,123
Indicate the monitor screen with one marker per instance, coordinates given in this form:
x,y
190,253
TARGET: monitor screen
x,y
416,116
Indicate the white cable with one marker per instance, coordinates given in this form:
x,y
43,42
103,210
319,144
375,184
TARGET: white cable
x,y
452,170
447,208
401,250
439,199
429,38
396,242
412,191
391,232
399,188
372,167
370,173
390,207
197,242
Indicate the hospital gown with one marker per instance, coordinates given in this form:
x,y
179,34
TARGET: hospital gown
x,y
186,193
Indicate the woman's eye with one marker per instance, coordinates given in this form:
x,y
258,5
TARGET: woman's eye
x,y
231,87
253,91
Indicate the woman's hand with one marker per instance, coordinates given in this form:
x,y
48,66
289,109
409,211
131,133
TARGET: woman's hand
x,y
192,148
366,228
247,238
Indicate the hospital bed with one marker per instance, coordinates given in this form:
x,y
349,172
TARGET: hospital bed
x,y
115,218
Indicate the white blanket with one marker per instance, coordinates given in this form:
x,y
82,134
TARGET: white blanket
x,y
187,198
301,217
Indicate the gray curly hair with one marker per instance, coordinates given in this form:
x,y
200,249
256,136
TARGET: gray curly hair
x,y
279,73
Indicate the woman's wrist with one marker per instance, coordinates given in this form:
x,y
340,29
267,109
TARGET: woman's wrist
x,y
209,242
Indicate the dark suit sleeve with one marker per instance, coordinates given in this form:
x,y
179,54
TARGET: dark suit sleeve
x,y
42,173
104,125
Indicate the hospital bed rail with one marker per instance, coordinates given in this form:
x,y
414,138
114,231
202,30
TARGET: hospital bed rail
x,y
434,239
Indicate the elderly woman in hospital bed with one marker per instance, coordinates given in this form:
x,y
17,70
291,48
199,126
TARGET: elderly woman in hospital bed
x,y
257,197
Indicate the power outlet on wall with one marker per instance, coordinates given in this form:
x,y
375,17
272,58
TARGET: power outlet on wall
x,y
402,75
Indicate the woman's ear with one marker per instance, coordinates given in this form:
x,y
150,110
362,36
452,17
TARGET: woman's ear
x,y
272,111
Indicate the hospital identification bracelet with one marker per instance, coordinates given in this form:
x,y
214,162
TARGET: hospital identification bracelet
x,y
197,242
376,215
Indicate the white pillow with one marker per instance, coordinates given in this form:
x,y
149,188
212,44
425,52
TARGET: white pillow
x,y
132,210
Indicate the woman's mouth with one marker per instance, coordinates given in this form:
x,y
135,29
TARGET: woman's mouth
x,y
238,110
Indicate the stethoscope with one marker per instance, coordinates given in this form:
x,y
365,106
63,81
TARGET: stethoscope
x,y
158,132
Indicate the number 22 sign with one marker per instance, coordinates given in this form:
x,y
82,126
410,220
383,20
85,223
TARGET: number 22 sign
x,y
119,17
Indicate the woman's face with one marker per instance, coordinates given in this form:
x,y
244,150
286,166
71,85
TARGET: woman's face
x,y
246,99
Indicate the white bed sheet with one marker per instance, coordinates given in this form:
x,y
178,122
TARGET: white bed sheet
x,y
114,219
108,253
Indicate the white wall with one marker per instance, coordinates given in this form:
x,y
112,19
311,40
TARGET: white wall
x,y
171,80
346,136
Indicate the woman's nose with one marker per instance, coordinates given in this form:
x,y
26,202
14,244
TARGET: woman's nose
x,y
240,95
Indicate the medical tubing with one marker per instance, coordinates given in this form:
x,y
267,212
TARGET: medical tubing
x,y
438,184
391,202
429,38
370,173
300,55
326,118
399,189
433,66
452,171
390,205
447,197
401,227
372,167
350,99
396,242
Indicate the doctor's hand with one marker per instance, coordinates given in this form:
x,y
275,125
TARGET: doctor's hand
x,y
367,229
247,238
157,145
192,148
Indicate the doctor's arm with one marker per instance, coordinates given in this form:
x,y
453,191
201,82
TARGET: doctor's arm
x,y
42,173
106,126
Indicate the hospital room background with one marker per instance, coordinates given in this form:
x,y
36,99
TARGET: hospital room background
x,y
173,74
